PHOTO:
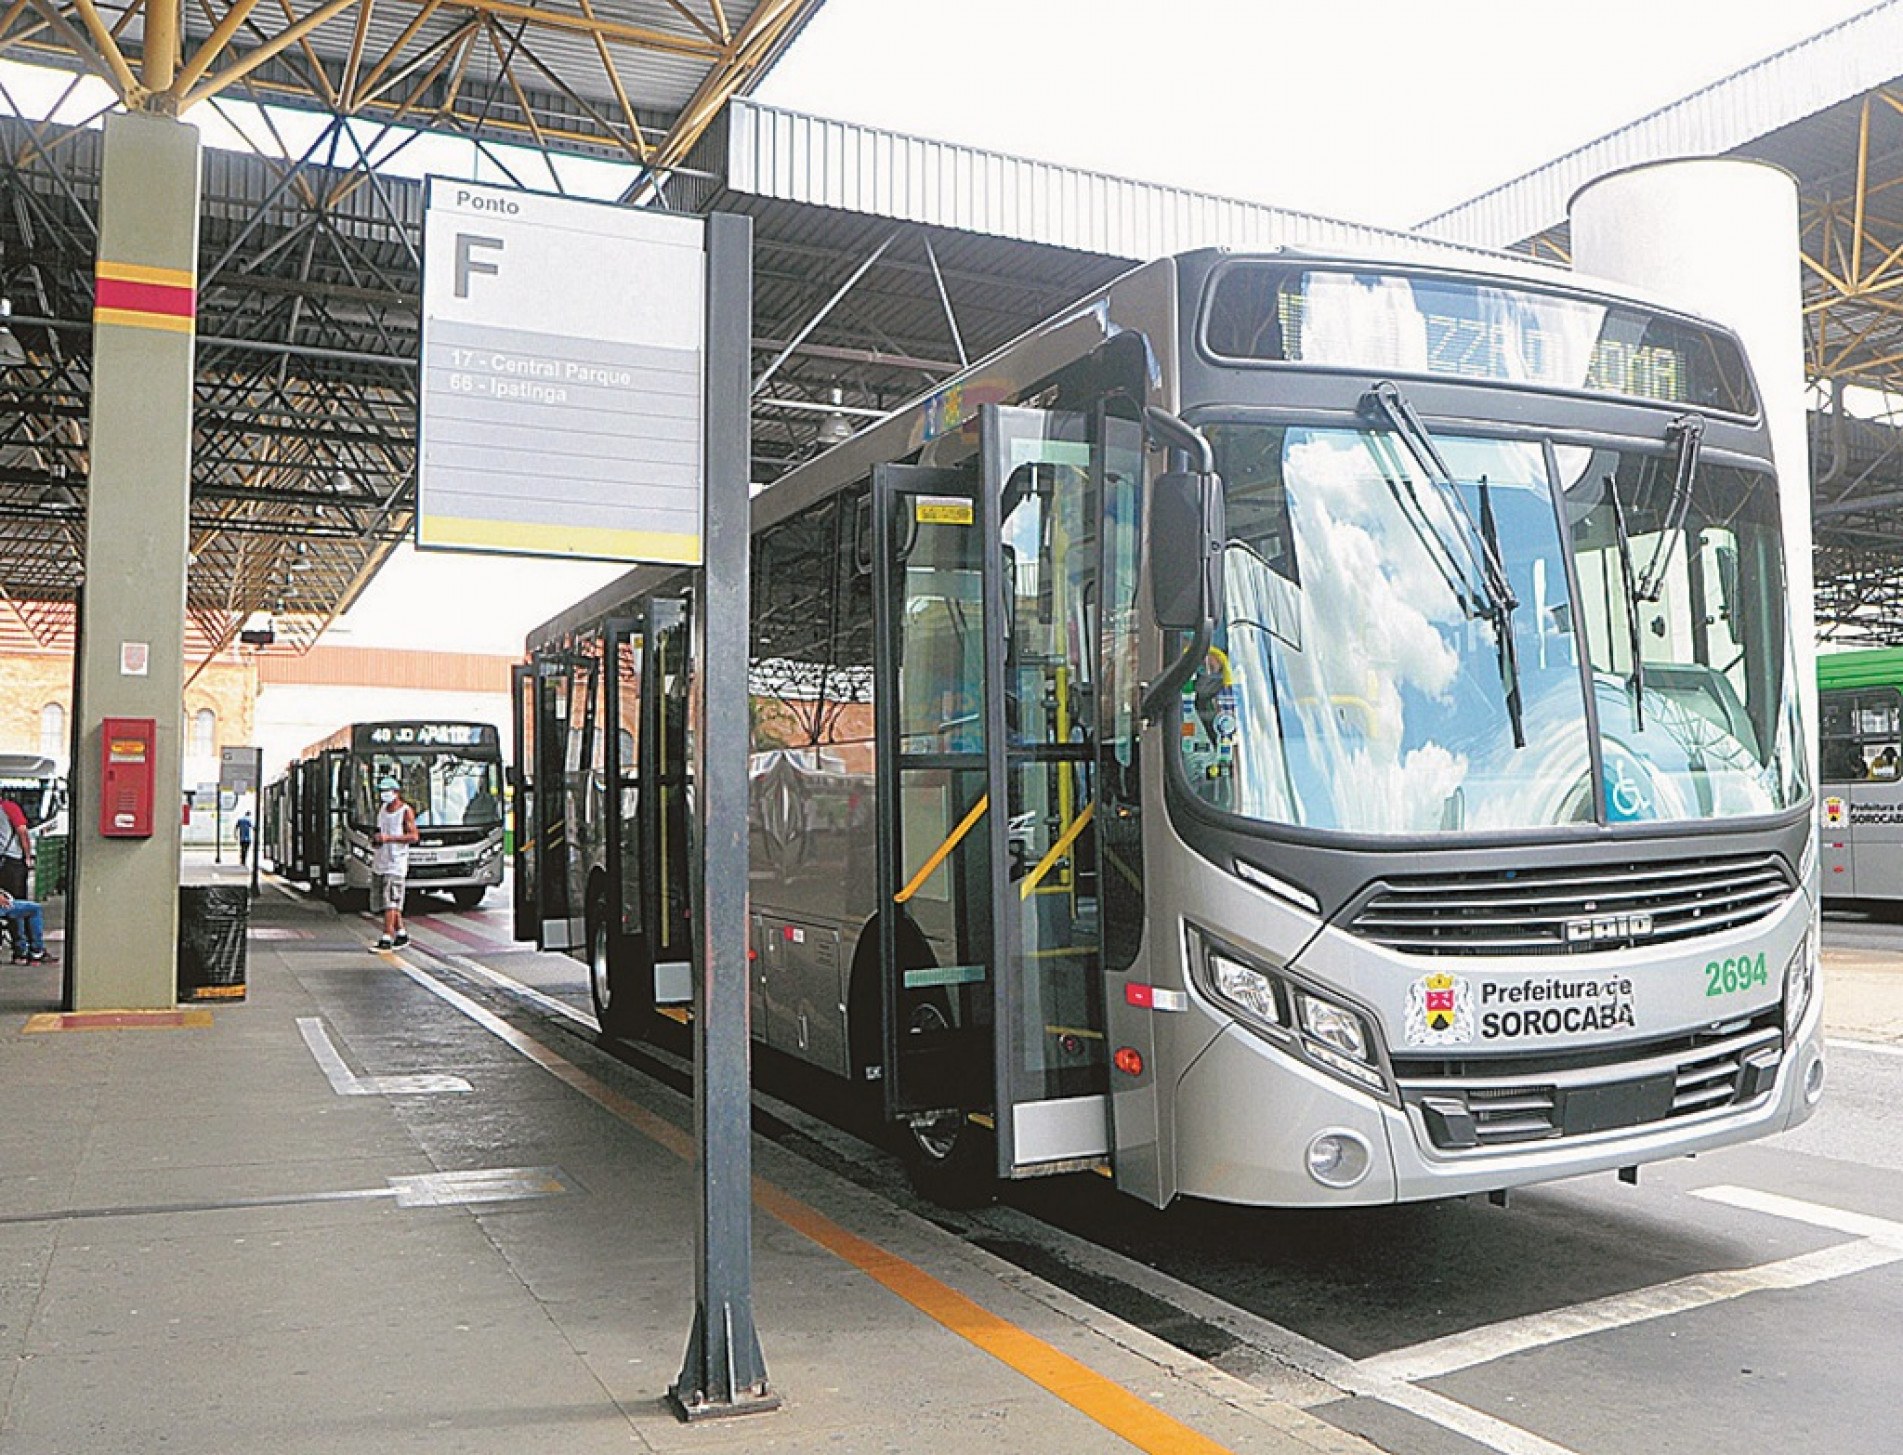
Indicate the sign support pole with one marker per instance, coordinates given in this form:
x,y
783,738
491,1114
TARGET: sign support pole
x,y
724,1372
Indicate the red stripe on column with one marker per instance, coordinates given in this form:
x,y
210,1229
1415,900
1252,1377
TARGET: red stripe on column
x,y
145,297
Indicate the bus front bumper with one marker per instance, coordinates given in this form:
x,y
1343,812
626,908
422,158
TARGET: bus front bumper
x,y
1260,1114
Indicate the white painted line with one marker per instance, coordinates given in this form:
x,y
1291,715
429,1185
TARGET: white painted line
x,y
1439,1357
346,1082
515,987
1862,1225
486,1184
1869,1048
1342,1375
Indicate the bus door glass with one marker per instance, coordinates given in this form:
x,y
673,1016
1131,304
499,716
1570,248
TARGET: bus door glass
x,y
337,769
931,728
624,646
1862,828
522,779
1051,1082
583,764
666,764
553,912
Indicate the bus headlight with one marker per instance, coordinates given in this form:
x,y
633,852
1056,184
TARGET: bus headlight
x,y
1303,1022
1333,1025
1245,987
1337,1039
1800,981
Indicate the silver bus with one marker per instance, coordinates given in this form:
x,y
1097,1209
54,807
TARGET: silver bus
x,y
1289,730
1860,738
318,820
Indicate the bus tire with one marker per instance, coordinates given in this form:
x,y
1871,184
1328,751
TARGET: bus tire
x,y
952,1161
468,896
607,978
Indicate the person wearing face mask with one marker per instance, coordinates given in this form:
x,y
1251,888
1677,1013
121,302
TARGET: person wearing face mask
x,y
396,831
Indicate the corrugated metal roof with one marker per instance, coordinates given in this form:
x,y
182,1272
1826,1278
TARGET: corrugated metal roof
x,y
1837,64
817,161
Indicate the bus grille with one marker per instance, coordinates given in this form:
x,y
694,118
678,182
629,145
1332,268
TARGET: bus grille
x,y
1465,1109
1570,910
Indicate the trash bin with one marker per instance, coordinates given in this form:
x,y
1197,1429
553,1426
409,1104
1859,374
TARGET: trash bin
x,y
49,866
212,922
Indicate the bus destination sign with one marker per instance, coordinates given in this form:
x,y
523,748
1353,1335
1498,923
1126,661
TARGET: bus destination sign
x,y
562,390
429,735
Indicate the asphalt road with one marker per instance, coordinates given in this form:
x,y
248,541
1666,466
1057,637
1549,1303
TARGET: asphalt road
x,y
1746,1299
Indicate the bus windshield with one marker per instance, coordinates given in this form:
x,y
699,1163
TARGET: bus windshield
x,y
447,789
1357,684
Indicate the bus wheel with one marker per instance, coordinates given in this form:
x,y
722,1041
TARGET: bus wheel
x,y
613,1013
469,896
952,1159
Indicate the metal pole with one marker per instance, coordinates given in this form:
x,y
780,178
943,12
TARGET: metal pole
x,y
257,815
724,1372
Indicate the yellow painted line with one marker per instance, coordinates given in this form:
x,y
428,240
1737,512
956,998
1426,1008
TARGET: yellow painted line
x,y
1077,1384
142,273
540,537
217,992
116,1020
1057,851
130,318
944,851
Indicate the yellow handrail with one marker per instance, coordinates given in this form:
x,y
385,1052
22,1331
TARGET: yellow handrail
x,y
944,851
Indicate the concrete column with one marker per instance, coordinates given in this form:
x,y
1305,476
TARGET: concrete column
x,y
1719,237
123,952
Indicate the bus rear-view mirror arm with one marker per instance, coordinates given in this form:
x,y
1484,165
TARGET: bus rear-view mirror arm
x,y
1187,532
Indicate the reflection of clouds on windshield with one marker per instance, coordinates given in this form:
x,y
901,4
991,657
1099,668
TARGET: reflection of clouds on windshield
x,y
1381,794
1392,597
1351,319
1368,607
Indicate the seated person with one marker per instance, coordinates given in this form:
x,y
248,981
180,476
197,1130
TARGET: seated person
x,y
28,922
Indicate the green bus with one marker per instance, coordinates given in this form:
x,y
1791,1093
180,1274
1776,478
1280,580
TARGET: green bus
x,y
1861,803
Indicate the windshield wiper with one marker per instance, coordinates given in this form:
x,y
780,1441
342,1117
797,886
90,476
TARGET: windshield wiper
x,y
1632,634
1458,556
1479,581
1690,429
1503,619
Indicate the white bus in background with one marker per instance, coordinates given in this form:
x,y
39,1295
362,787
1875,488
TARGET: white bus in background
x,y
317,822
1291,730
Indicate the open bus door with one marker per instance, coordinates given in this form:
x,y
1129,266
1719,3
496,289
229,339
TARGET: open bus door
x,y
522,788
666,760
640,951
984,583
1050,1089
936,952
542,827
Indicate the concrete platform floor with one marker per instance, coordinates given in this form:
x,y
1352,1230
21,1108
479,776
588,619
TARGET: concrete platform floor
x,y
374,1207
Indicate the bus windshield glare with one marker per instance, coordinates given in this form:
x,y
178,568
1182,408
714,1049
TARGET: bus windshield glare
x,y
1393,322
1356,686
447,789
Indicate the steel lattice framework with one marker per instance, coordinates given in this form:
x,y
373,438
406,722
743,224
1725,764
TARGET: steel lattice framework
x,y
305,407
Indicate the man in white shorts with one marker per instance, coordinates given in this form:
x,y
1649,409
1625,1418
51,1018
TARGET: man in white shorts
x,y
390,865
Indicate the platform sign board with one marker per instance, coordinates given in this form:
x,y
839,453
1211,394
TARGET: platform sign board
x,y
562,397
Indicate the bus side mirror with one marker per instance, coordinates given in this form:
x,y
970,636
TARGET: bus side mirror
x,y
1186,538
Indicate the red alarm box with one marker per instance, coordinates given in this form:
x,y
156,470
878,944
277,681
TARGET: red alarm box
x,y
127,753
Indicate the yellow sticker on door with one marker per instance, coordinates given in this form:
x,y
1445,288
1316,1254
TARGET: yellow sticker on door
x,y
942,510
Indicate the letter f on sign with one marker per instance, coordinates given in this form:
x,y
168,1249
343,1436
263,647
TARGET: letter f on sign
x,y
467,265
